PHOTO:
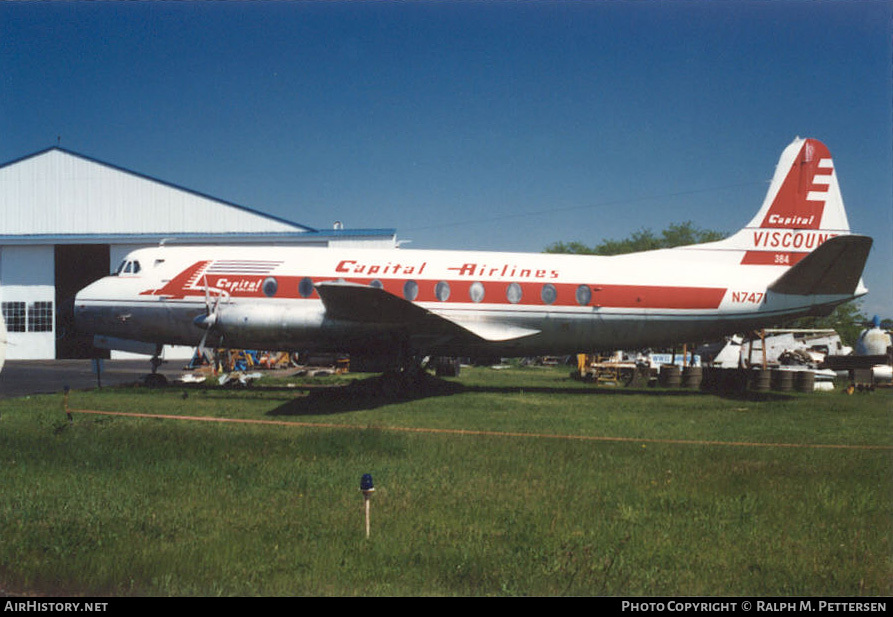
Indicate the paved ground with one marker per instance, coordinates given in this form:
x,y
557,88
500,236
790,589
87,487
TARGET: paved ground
x,y
24,377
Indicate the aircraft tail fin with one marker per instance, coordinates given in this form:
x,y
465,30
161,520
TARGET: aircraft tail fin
x,y
803,209
804,193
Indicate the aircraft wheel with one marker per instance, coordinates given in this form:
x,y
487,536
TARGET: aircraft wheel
x,y
626,377
447,367
155,380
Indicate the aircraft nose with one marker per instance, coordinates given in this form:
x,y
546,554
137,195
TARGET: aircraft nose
x,y
81,309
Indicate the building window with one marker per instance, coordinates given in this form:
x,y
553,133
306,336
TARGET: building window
x,y
40,317
37,318
14,316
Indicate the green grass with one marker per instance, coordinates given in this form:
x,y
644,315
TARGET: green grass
x,y
135,506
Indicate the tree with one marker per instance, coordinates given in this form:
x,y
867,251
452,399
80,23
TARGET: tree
x,y
677,234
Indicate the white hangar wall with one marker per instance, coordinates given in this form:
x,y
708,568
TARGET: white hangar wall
x,y
70,194
27,297
68,219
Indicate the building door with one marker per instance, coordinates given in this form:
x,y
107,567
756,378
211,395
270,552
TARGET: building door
x,y
77,265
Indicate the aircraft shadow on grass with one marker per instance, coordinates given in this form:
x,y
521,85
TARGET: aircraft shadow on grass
x,y
378,391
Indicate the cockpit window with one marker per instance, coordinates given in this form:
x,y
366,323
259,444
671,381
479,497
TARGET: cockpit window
x,y
128,267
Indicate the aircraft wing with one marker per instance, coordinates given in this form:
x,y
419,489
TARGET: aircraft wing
x,y
362,303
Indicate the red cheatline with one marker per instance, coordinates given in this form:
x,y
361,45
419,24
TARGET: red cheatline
x,y
694,442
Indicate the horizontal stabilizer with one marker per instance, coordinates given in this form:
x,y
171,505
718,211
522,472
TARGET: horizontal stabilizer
x,y
834,268
362,303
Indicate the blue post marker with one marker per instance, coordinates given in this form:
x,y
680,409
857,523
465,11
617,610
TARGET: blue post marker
x,y
367,488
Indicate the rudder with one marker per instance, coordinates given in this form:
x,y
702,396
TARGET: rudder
x,y
803,209
804,193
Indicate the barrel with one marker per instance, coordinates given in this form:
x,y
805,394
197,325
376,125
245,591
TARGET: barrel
x,y
782,380
805,381
760,380
708,378
692,377
732,380
670,376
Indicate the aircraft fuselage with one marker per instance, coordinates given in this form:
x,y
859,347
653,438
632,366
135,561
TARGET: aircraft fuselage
x,y
795,257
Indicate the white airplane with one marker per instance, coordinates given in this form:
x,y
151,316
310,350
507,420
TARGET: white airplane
x,y
796,257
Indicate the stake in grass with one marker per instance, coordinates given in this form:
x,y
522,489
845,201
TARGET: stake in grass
x,y
367,488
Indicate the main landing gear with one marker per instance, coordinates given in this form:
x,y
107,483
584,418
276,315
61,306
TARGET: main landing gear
x,y
412,379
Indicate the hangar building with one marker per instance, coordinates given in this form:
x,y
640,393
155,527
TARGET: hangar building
x,y
68,220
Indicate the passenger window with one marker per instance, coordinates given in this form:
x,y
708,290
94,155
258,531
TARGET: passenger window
x,y
476,291
549,294
513,293
584,295
270,286
305,287
410,290
442,291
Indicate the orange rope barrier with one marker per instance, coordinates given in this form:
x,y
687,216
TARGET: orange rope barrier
x,y
482,433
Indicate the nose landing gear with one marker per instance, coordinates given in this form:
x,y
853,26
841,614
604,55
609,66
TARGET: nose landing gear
x,y
155,379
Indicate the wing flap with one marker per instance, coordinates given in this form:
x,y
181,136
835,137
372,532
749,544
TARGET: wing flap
x,y
494,331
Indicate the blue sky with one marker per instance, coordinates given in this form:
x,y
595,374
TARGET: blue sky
x,y
475,125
